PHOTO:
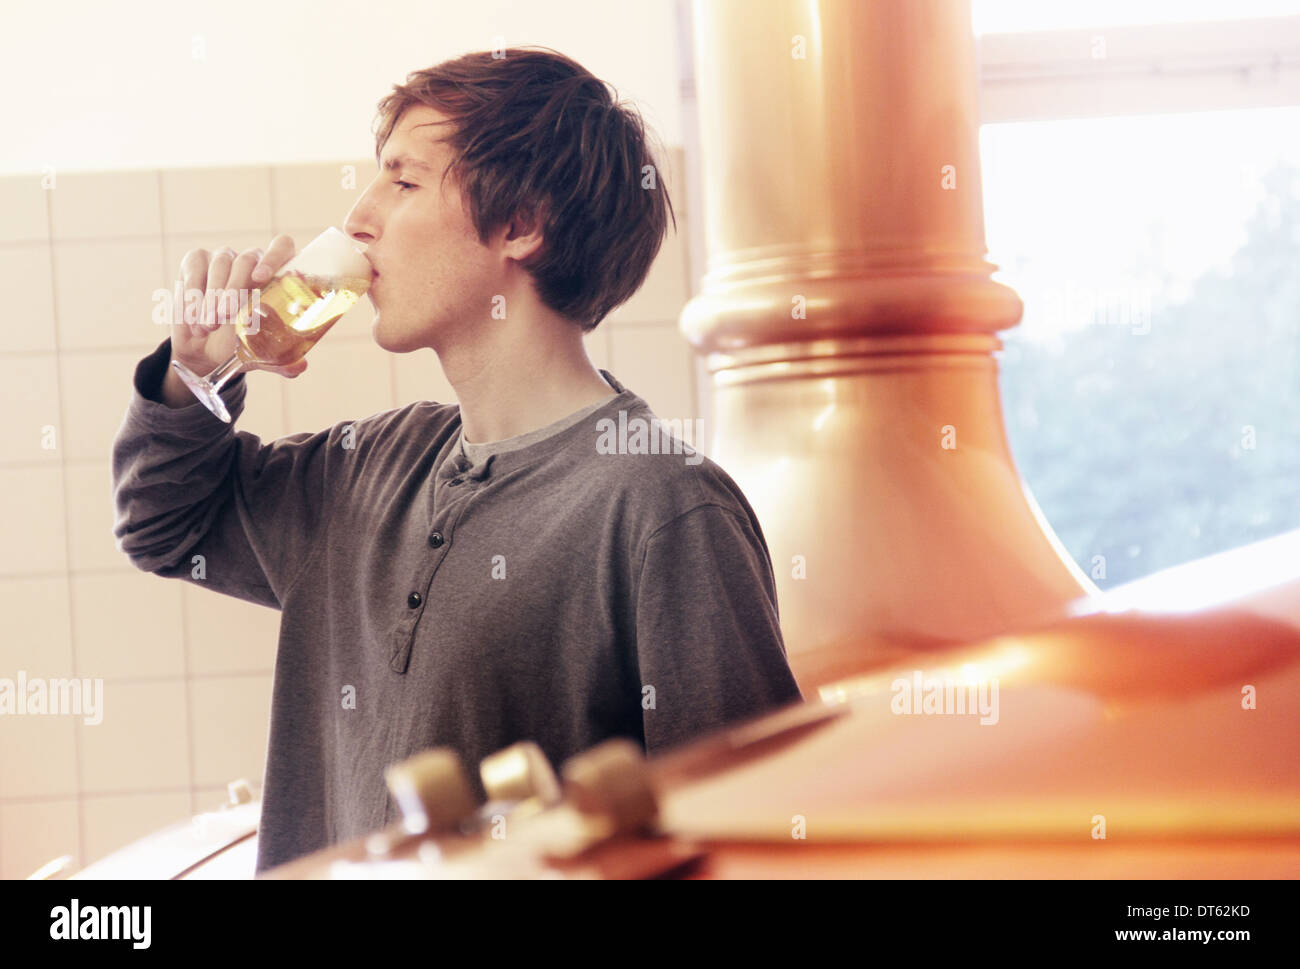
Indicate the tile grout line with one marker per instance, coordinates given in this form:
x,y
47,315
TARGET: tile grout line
x,y
131,792
185,629
67,521
189,700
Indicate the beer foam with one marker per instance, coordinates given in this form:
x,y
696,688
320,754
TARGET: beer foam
x,y
332,253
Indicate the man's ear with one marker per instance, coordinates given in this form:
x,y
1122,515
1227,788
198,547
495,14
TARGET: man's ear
x,y
526,232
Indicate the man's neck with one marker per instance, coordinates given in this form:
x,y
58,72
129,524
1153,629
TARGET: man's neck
x,y
520,379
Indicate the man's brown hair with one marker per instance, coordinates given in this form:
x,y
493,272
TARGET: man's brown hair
x,y
534,133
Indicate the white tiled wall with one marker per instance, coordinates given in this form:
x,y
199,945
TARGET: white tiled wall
x,y
187,673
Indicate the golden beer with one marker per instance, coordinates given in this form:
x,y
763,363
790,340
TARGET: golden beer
x,y
292,313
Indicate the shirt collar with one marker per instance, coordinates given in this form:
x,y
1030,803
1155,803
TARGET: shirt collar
x,y
451,464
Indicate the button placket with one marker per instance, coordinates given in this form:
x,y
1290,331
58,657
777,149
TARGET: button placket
x,y
438,540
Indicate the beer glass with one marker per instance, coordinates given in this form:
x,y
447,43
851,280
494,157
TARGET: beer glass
x,y
293,311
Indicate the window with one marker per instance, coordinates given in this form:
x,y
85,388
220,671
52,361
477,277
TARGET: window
x,y
1152,390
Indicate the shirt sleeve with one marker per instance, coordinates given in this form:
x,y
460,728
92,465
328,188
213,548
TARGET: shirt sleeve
x,y
708,635
186,484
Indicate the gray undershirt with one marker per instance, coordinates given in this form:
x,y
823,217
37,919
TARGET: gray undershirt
x,y
476,454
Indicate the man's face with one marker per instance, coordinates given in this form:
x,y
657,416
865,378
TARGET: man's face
x,y
432,273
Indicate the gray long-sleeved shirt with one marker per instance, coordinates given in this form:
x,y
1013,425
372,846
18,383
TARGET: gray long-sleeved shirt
x,y
551,592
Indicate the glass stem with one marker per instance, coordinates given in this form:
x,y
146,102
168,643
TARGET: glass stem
x,y
222,375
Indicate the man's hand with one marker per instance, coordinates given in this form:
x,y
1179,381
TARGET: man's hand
x,y
207,344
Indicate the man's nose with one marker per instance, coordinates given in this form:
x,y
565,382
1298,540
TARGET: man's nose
x,y
361,224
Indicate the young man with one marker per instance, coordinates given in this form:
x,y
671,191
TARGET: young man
x,y
465,576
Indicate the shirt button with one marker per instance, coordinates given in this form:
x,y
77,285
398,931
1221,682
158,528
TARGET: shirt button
x,y
436,539
414,600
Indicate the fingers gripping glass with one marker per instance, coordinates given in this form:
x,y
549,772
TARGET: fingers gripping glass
x,y
293,310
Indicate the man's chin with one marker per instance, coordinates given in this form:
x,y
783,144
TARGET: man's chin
x,y
387,339
380,334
